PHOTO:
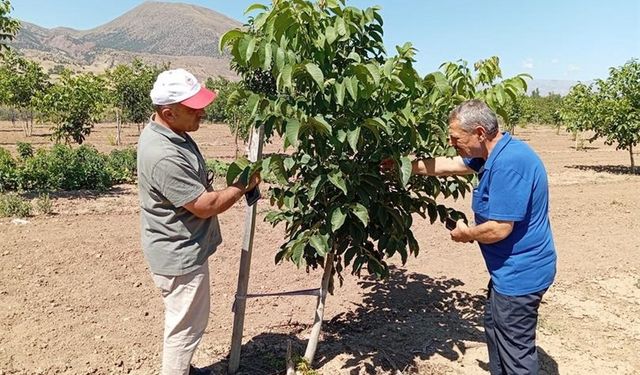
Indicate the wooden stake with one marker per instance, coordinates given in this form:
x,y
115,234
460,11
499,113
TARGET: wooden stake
x,y
255,153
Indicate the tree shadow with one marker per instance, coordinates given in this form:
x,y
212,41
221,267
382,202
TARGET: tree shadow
x,y
583,148
613,169
406,318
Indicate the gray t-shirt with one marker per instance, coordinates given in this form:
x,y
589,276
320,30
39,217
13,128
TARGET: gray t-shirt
x,y
172,173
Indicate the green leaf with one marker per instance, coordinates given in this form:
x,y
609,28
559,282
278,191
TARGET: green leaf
x,y
337,218
276,166
251,46
331,34
255,6
320,125
286,77
341,136
500,95
293,128
297,250
252,103
340,91
315,186
289,163
320,243
361,213
353,136
337,179
315,73
341,27
405,170
228,37
388,68
268,51
374,72
280,58
352,87
236,169
440,81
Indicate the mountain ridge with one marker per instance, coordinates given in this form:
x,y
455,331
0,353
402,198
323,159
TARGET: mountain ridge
x,y
183,35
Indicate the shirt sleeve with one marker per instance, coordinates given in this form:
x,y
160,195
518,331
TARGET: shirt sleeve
x,y
177,180
474,163
509,195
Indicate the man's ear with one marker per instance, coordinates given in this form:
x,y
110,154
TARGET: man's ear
x,y
481,132
167,114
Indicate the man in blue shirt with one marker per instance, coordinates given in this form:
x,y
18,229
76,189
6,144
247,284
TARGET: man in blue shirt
x,y
511,204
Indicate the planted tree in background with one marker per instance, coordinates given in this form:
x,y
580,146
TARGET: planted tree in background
x,y
618,110
74,105
318,76
9,26
20,81
130,86
229,108
579,111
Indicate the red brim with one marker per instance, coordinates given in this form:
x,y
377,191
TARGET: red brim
x,y
203,98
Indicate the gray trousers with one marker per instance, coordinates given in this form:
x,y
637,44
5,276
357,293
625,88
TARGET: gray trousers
x,y
510,328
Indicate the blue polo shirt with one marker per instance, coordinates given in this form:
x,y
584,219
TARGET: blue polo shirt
x,y
513,187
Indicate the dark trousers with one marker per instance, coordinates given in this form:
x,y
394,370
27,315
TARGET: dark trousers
x,y
510,326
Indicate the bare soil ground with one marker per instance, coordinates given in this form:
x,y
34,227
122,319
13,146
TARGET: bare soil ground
x,y
76,296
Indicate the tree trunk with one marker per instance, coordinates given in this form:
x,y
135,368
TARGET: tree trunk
x,y
30,123
633,165
118,128
317,324
236,141
579,141
291,367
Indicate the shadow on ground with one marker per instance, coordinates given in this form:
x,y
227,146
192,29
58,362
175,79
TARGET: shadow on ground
x,y
405,318
613,169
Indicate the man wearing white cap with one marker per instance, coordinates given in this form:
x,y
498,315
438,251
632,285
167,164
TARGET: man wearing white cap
x,y
179,208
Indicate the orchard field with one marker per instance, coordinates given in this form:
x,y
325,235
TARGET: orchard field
x,y
76,297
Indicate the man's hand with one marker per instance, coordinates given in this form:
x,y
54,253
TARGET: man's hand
x,y
254,181
461,233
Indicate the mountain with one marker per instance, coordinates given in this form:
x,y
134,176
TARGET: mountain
x,y
555,86
182,34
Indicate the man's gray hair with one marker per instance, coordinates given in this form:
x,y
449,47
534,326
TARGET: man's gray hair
x,y
472,113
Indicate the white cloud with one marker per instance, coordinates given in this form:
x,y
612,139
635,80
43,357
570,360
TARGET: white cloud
x,y
573,68
555,61
528,63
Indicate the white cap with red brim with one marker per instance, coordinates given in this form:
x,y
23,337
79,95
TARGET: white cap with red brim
x,y
180,86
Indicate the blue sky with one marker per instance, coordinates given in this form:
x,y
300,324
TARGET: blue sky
x,y
549,39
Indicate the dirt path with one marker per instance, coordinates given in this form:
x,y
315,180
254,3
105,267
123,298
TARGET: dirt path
x,y
76,297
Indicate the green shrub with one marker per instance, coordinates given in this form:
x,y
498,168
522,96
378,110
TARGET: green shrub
x,y
122,165
13,205
25,150
8,171
40,172
219,168
43,204
88,170
64,168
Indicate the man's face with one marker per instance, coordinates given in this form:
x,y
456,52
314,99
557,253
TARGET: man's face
x,y
468,145
186,119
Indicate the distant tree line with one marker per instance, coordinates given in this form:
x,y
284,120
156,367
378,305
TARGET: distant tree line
x,y
74,102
